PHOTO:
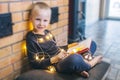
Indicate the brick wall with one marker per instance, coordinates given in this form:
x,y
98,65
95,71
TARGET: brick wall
x,y
12,58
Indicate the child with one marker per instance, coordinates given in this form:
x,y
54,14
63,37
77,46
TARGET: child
x,y
42,49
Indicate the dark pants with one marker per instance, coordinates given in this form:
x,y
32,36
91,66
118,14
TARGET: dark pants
x,y
75,62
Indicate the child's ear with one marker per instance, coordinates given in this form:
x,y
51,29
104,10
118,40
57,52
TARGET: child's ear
x,y
30,18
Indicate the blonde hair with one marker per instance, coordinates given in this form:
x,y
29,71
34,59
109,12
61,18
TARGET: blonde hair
x,y
38,6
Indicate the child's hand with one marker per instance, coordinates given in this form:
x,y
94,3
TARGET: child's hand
x,y
62,54
59,56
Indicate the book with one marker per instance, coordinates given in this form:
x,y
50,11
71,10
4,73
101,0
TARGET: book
x,y
81,47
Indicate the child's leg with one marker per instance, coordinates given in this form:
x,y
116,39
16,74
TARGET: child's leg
x,y
73,63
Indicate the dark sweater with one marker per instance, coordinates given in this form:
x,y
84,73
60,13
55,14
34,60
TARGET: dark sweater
x,y
47,48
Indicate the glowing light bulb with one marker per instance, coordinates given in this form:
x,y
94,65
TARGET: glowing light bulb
x,y
86,56
50,35
41,40
51,68
90,58
37,57
62,50
74,50
47,37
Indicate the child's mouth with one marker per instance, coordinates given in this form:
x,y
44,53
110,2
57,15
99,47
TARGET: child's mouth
x,y
40,27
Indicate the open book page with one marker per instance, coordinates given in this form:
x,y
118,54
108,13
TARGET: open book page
x,y
81,47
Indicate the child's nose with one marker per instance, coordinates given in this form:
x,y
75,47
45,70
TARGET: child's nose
x,y
41,23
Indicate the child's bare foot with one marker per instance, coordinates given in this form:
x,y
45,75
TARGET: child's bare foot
x,y
95,60
84,74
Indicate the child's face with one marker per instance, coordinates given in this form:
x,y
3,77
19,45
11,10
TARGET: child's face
x,y
41,20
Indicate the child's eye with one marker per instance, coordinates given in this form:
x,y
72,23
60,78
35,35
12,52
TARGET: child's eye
x,y
37,19
45,20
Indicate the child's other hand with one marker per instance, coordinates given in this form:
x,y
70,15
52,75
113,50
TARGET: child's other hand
x,y
62,54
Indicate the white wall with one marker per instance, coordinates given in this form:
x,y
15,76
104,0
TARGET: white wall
x,y
103,9
92,11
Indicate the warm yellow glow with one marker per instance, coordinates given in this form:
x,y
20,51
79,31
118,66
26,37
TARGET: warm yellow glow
x,y
47,37
51,68
86,57
74,50
41,40
90,58
37,57
72,45
79,48
24,48
30,25
62,50
50,35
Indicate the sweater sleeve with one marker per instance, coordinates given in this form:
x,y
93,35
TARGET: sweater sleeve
x,y
33,53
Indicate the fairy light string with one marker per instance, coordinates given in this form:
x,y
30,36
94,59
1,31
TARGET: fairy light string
x,y
40,56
